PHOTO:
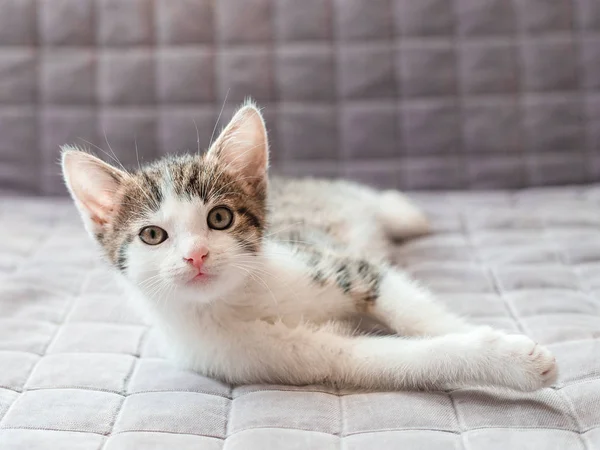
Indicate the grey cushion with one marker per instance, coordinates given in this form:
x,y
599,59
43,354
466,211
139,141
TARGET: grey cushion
x,y
401,93
80,370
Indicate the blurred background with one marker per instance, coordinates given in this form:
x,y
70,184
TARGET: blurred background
x,y
413,94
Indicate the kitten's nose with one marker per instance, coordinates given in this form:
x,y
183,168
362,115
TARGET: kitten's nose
x,y
197,257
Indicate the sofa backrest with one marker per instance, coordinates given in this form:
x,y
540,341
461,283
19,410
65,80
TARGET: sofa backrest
x,y
414,94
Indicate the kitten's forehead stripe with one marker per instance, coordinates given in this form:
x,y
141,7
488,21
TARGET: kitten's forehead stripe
x,y
192,186
151,184
178,174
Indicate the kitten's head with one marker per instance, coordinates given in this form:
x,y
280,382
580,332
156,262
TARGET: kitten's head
x,y
189,225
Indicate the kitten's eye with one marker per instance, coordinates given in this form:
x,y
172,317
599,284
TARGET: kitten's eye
x,y
220,218
153,235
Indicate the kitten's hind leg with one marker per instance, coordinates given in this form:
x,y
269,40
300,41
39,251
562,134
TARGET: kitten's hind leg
x,y
399,217
411,310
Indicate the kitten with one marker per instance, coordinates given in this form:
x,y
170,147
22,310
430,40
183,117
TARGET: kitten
x,y
250,280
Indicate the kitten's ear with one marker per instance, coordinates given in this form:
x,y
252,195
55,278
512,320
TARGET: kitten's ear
x,y
243,145
94,186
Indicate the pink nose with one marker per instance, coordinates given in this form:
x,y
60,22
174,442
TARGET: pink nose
x,y
197,257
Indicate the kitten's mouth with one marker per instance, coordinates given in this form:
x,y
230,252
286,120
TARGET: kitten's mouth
x,y
200,277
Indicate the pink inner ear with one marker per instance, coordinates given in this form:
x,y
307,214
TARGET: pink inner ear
x,y
94,185
99,212
93,194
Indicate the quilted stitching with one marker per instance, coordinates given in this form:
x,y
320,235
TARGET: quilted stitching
x,y
414,94
80,368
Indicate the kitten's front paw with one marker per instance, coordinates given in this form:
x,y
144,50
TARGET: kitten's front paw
x,y
518,362
537,364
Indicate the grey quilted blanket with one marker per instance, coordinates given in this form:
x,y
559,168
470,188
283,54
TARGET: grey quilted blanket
x,y
79,370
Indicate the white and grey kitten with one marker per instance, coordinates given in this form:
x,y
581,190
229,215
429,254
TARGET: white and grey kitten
x,y
249,279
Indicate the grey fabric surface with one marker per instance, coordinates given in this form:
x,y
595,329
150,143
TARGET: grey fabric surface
x,y
79,370
404,93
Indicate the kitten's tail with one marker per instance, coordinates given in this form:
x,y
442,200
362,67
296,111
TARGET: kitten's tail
x,y
400,218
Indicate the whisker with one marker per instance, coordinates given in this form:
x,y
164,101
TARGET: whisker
x,y
258,278
102,150
112,151
137,156
218,118
197,134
